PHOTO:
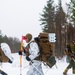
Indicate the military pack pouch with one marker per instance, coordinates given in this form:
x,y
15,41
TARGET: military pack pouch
x,y
51,61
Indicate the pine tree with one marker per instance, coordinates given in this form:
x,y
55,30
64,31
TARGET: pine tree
x,y
47,18
71,17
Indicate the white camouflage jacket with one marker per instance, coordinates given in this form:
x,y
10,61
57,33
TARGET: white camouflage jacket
x,y
33,50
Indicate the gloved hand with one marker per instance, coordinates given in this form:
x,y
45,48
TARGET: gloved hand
x,y
3,73
20,52
10,61
28,59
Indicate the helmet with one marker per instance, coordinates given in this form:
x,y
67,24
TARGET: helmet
x,y
28,36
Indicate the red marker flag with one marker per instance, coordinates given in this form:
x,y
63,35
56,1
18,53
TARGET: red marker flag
x,y
24,38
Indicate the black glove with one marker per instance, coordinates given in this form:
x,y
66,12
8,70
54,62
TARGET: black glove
x,y
10,61
20,52
28,59
3,73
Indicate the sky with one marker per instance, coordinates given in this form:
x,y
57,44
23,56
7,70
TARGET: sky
x,y
19,17
14,68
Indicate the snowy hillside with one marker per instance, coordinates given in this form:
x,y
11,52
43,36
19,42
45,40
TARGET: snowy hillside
x,y
14,68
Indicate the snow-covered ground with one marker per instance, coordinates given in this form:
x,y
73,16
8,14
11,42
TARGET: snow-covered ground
x,y
14,68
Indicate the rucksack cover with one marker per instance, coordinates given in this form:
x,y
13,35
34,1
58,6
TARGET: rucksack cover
x,y
3,57
46,53
5,52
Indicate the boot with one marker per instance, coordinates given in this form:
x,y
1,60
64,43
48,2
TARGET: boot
x,y
65,72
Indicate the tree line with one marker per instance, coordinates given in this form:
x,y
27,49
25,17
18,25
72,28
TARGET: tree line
x,y
14,43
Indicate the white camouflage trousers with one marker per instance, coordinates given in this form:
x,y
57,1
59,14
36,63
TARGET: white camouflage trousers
x,y
35,69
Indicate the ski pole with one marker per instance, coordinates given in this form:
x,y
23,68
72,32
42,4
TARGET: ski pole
x,y
25,67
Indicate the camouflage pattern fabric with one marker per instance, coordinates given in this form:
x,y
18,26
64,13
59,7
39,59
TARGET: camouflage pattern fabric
x,y
3,57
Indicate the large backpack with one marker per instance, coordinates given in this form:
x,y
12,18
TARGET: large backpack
x,y
46,52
